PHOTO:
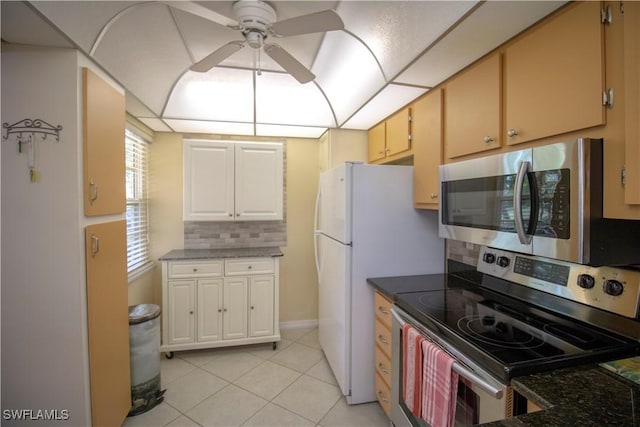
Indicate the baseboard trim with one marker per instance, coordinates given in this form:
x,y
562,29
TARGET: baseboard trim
x,y
299,324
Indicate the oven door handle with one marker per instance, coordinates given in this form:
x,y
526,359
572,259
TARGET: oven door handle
x,y
463,371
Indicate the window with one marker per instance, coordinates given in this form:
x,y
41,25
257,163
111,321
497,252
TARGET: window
x,y
138,258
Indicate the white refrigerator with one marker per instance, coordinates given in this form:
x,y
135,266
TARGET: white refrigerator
x,y
366,226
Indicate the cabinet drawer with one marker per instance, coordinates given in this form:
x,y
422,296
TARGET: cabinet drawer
x,y
383,365
245,266
383,393
383,309
195,269
383,338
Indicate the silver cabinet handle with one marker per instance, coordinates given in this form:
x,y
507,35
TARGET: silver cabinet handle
x,y
94,192
512,132
433,196
381,397
95,245
382,340
382,310
488,139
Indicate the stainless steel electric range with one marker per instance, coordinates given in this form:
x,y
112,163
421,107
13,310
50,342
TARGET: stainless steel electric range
x,y
517,315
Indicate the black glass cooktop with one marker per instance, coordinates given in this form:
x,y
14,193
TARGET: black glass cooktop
x,y
508,336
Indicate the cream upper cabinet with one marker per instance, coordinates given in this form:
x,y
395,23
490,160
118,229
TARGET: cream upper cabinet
x,y
554,76
390,140
337,146
232,181
632,101
377,142
103,146
427,149
472,110
398,133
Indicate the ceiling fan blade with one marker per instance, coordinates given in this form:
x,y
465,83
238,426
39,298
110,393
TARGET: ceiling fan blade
x,y
289,63
204,12
326,20
217,56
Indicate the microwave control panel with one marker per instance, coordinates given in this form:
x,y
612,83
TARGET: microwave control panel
x,y
609,288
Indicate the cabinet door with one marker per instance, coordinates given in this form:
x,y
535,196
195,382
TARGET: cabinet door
x,y
261,306
210,309
632,101
427,148
108,322
259,181
377,135
182,299
103,147
473,109
235,307
554,76
398,133
208,181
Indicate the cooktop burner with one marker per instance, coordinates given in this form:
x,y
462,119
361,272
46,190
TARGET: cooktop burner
x,y
511,337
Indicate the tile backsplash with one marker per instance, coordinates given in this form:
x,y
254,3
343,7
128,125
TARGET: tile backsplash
x,y
464,252
249,234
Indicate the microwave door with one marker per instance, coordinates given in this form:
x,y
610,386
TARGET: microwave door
x,y
477,202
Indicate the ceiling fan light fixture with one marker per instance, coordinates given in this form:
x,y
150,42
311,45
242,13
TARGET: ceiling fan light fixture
x,y
255,39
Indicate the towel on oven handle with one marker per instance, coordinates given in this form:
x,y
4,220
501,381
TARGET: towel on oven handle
x,y
439,386
412,369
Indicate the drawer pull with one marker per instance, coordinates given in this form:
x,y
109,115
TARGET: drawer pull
x,y
249,267
195,270
382,310
382,340
383,369
382,397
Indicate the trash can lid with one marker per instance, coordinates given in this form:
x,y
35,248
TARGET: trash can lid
x,y
143,312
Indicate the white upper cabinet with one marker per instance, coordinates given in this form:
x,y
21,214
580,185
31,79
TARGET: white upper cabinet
x,y
232,181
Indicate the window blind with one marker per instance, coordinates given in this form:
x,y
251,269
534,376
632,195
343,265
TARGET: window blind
x,y
137,212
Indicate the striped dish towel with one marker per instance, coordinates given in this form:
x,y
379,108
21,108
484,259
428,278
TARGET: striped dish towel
x,y
412,369
439,386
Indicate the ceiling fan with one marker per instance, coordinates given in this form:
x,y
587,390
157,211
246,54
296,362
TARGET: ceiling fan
x,y
256,20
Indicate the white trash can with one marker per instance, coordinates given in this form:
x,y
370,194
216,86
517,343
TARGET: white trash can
x,y
144,349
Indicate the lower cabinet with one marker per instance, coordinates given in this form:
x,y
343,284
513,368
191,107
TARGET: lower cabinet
x,y
382,355
217,303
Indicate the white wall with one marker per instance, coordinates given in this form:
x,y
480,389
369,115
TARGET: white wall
x,y
44,344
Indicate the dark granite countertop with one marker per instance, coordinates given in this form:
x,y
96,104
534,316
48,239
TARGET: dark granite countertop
x,y
580,396
583,396
187,254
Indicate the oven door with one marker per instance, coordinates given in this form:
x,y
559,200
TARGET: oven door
x,y
481,398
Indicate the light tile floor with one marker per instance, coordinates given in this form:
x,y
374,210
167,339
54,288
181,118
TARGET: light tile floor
x,y
256,386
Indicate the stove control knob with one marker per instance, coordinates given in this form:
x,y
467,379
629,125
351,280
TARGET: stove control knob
x,y
489,258
586,281
503,261
613,287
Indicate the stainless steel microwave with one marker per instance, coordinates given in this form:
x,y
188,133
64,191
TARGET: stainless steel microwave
x,y
544,201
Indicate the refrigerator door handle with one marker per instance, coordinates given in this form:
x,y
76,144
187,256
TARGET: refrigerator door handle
x,y
316,233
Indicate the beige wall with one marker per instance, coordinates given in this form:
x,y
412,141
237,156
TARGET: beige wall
x,y
298,280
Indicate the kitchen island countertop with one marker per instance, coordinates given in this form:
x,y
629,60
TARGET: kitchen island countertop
x,y
190,254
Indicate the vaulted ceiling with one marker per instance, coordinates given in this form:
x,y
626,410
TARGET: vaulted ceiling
x,y
389,53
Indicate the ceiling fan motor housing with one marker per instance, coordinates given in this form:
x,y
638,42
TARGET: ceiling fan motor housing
x,y
254,15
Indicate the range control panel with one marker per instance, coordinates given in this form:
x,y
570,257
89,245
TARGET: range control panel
x,y
608,288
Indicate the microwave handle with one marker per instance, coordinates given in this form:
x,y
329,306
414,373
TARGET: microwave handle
x,y
524,238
